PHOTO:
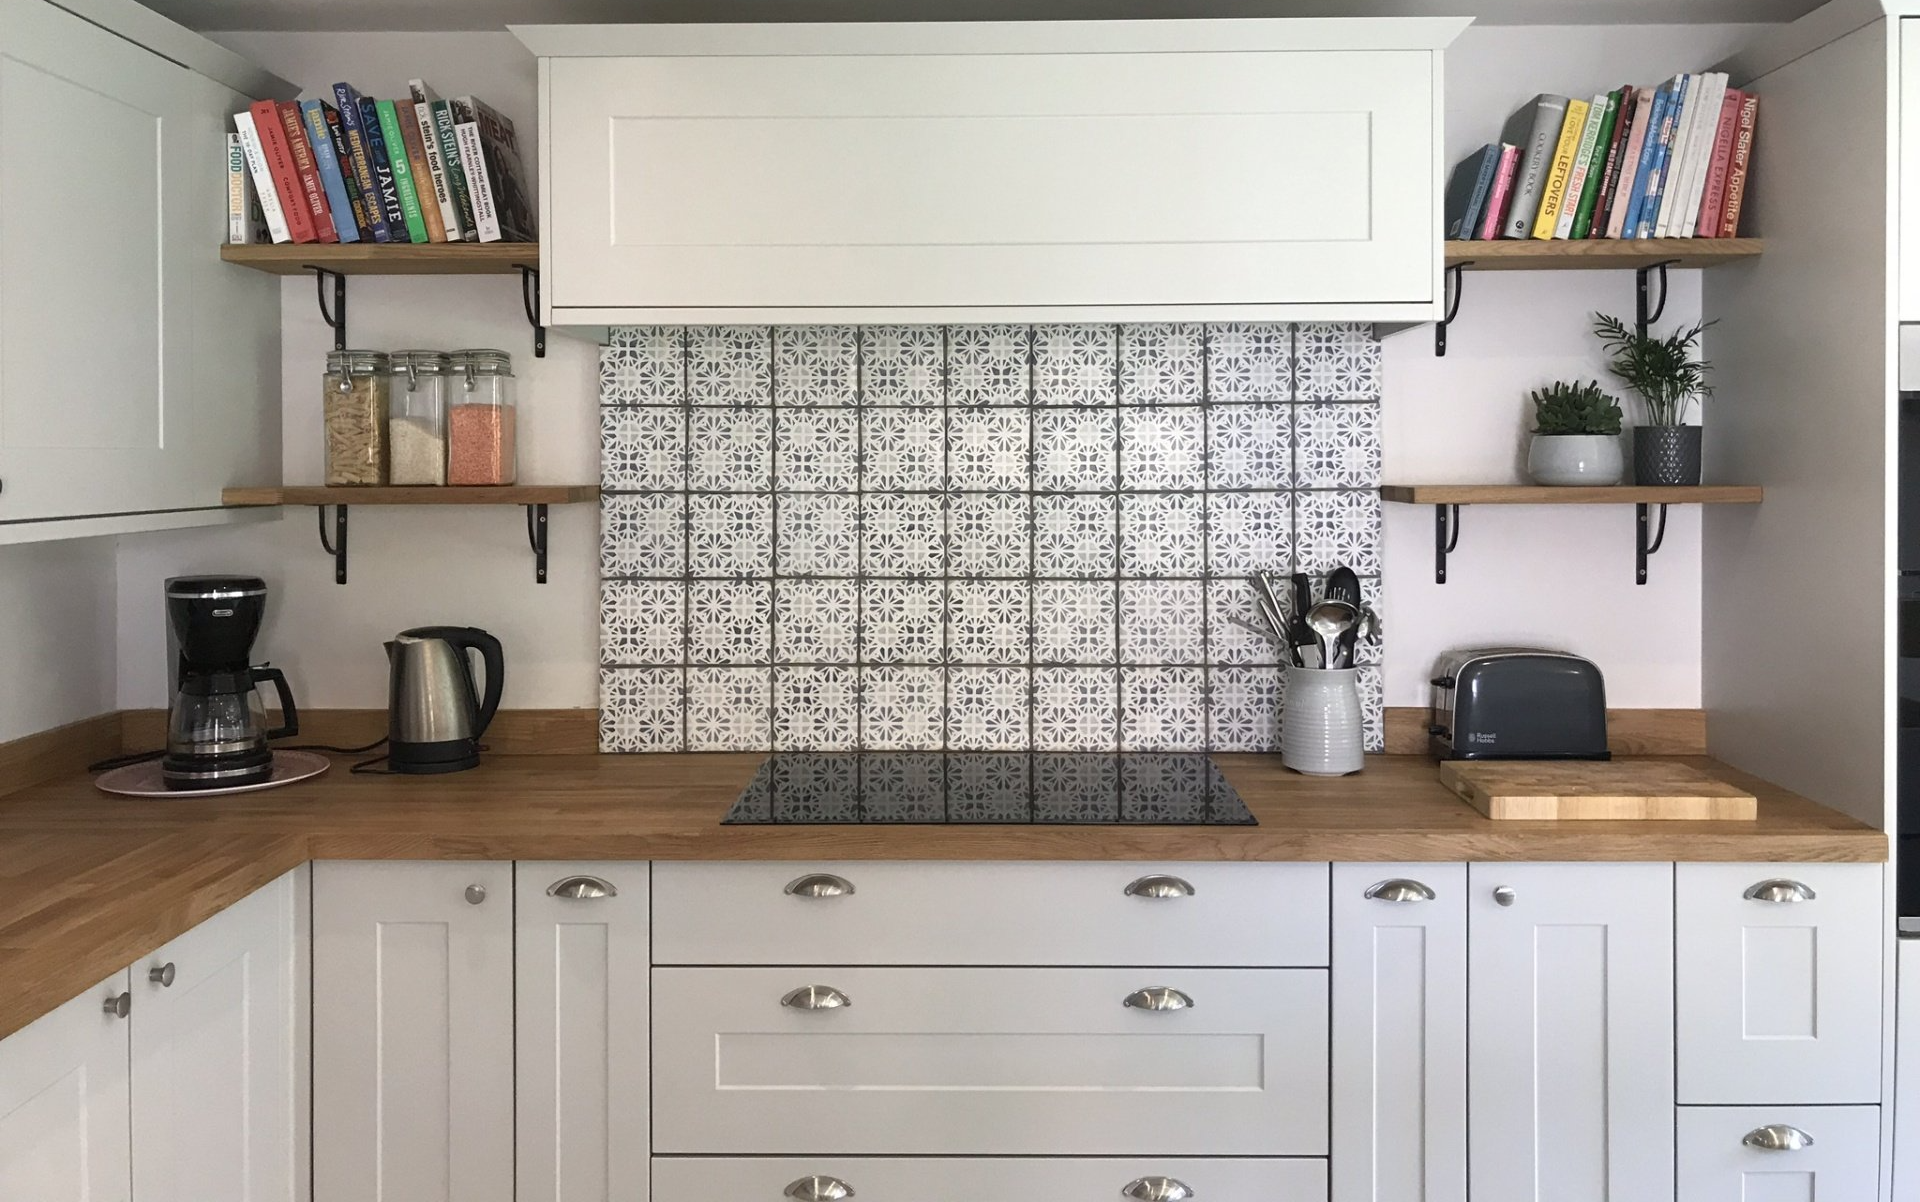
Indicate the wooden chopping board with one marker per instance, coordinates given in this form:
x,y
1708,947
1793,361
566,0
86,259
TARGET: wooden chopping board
x,y
1618,789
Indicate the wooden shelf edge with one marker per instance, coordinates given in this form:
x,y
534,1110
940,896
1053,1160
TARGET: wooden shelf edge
x,y
512,494
375,258
1530,494
1598,254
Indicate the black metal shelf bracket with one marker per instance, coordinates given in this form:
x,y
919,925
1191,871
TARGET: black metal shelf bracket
x,y
1446,538
1643,316
336,319
537,539
530,300
1643,548
337,546
1452,283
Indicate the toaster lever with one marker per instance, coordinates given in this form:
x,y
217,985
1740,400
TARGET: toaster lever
x,y
1443,682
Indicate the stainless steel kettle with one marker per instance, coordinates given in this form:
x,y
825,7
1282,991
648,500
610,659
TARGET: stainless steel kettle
x,y
434,718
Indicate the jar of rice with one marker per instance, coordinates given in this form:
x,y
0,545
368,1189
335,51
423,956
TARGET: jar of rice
x,y
480,418
354,412
417,417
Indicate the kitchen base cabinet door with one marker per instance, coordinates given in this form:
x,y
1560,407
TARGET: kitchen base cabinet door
x,y
1570,1032
63,1104
580,1020
1779,982
220,1056
1763,1153
412,1031
1399,1032
990,1062
959,1179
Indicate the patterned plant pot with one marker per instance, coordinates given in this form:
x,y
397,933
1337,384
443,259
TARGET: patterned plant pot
x,y
1575,459
1666,455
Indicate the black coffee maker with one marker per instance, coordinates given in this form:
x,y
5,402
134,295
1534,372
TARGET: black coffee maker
x,y
216,725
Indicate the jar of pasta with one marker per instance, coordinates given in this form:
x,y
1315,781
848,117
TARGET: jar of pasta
x,y
354,410
417,417
480,418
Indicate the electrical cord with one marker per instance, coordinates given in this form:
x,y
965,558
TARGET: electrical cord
x,y
141,757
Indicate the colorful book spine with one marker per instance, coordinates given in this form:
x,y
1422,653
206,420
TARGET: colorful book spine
x,y
1596,170
326,161
262,177
1564,152
409,121
1737,169
1582,168
286,180
1616,154
1661,140
395,148
359,151
336,130
1713,197
243,226
473,161
442,111
1686,223
1501,197
308,171
436,161
1649,135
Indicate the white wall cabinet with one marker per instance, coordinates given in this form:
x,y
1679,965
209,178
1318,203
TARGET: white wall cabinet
x,y
1128,170
133,363
581,1046
413,1031
220,1085
1570,1034
63,1103
1399,1032
1751,1153
1908,306
1778,982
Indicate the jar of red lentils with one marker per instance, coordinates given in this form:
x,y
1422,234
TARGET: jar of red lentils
x,y
480,418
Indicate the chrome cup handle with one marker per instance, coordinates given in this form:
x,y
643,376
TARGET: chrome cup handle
x,y
1159,886
818,1189
582,888
1779,889
816,997
1157,997
1157,1189
820,884
1399,889
1777,1137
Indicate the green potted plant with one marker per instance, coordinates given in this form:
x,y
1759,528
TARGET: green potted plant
x,y
1576,435
1669,375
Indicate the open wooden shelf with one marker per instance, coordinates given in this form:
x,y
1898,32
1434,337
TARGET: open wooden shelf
x,y
396,494
1530,494
1599,254
387,258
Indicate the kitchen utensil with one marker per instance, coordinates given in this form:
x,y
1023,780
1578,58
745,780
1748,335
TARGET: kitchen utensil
x,y
1273,613
1331,622
1518,703
1265,632
434,719
148,779
1624,789
1321,732
1344,585
216,725
1298,634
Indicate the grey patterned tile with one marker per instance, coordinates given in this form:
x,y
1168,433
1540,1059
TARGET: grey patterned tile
x,y
1250,446
819,534
730,450
1075,709
1075,364
1335,528
1243,709
1249,532
642,449
1162,448
987,449
988,365
903,365
987,621
646,366
1160,534
903,450
1161,365
1373,713
1162,622
902,621
728,709
1162,709
819,450
729,365
1336,361
730,535
1338,444
641,709
987,709
902,534
730,622
902,709
643,535
815,365
1073,450
815,709
1074,622
813,621
1250,362
988,534
1229,642
642,621
1074,536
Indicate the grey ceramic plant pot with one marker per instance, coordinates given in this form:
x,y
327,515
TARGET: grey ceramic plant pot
x,y
1666,455
1575,459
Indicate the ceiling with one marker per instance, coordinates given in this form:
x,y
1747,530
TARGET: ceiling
x,y
346,15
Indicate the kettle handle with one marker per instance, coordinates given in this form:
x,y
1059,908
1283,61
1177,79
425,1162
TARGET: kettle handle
x,y
472,638
289,713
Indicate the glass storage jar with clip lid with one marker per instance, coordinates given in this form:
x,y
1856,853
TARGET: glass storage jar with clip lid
x,y
480,418
354,411
417,417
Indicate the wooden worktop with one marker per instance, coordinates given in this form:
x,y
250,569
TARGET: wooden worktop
x,y
90,883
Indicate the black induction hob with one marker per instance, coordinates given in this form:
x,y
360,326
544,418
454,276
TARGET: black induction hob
x,y
1066,789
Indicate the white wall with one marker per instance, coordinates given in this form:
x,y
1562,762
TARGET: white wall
x,y
57,647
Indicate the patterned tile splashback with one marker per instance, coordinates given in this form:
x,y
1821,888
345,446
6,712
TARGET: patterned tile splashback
x,y
971,537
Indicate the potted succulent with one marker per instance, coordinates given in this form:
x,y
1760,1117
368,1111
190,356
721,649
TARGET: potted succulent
x,y
1576,435
1669,376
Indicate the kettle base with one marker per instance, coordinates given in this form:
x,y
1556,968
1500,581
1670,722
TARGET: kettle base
x,y
428,759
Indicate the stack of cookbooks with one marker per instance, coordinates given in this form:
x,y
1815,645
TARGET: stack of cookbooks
x,y
1663,162
421,169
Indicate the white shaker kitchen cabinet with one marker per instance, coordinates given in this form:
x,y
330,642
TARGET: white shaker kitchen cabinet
x,y
220,1056
1908,306
960,1179
582,1085
966,172
412,1031
63,1102
1778,982
1760,1153
135,367
1570,1032
1399,1033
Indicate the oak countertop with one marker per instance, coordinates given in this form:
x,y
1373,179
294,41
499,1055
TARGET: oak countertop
x,y
90,883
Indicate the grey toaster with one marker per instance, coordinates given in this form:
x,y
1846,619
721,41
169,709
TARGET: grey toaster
x,y
1518,703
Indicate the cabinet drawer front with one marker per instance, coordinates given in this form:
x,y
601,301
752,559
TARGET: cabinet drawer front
x,y
1779,995
957,1179
1840,1159
1251,915
957,1061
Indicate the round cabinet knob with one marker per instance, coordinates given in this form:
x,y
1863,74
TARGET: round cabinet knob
x,y
476,894
162,975
1157,997
1159,887
119,1005
1400,889
820,884
818,1189
1779,889
1777,1137
816,997
579,888
1157,1189
1503,895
